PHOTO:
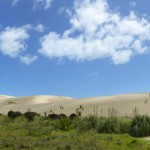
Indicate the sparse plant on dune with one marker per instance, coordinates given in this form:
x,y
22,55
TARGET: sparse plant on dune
x,y
79,110
61,109
112,112
51,111
101,112
29,109
95,110
45,113
135,111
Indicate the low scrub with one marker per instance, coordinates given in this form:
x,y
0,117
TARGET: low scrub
x,y
87,123
109,125
64,124
140,126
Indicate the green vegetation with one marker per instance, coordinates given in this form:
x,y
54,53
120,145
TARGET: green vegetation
x,y
140,126
31,131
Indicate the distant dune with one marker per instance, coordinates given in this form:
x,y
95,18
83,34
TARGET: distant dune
x,y
126,104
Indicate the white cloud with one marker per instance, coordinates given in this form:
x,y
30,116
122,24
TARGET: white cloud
x,y
12,40
42,3
28,59
121,57
37,3
97,32
39,28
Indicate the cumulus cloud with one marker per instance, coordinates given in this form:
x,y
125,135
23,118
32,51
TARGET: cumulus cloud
x,y
28,59
12,40
97,32
39,28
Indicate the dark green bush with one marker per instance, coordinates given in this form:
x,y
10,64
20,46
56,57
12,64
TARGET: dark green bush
x,y
124,124
64,124
13,115
30,115
87,123
73,116
53,116
101,125
140,126
109,125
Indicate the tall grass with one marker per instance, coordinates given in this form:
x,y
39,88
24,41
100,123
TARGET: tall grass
x,y
140,126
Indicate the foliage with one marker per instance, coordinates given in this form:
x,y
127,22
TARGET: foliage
x,y
30,115
140,126
64,124
109,125
87,123
90,132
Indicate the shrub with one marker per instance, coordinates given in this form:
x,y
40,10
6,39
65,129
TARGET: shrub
x,y
64,124
4,121
140,126
53,116
61,116
101,125
68,147
124,124
87,123
109,125
80,110
73,116
30,115
13,115
91,121
1,115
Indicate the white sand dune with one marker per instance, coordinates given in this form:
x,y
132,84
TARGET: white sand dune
x,y
41,99
4,98
122,104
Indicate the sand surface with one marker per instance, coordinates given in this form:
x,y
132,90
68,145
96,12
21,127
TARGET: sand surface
x,y
124,105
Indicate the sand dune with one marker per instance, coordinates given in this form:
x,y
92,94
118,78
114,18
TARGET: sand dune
x,y
121,104
5,98
41,99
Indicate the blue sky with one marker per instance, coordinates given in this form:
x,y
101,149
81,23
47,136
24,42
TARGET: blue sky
x,y
74,48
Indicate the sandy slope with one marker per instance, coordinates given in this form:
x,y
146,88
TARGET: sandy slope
x,y
4,98
121,104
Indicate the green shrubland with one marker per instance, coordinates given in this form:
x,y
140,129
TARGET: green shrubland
x,y
31,131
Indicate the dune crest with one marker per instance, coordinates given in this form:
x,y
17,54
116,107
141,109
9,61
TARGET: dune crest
x,y
5,97
124,104
41,99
